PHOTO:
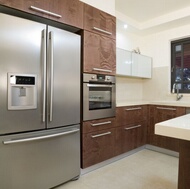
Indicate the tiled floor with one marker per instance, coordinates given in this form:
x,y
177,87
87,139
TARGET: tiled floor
x,y
143,170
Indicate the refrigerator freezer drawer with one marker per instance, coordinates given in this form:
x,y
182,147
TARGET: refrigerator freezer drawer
x,y
39,160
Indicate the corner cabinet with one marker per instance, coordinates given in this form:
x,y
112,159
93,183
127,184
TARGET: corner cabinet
x,y
65,11
133,64
158,114
99,42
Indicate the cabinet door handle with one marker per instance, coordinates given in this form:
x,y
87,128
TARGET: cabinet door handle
x,y
101,30
163,108
102,70
103,123
131,109
99,135
129,128
45,11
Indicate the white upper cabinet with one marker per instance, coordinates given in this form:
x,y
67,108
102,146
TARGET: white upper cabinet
x,y
133,64
123,62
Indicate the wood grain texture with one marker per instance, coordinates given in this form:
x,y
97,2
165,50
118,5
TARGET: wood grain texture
x,y
87,125
70,10
96,18
97,149
98,52
184,165
158,115
127,140
125,116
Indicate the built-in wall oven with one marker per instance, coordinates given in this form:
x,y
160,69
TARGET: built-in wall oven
x,y
98,96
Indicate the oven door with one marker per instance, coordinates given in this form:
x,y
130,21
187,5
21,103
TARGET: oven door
x,y
98,101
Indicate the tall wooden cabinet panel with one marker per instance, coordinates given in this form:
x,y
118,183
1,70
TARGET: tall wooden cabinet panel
x,y
99,54
99,22
98,141
158,114
71,11
99,49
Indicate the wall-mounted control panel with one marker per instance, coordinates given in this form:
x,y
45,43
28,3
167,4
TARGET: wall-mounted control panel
x,y
22,91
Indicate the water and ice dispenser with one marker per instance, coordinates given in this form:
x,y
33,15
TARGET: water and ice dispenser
x,y
22,91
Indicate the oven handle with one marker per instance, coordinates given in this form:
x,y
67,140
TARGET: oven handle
x,y
95,85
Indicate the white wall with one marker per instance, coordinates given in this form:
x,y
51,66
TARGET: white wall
x,y
128,89
104,5
158,47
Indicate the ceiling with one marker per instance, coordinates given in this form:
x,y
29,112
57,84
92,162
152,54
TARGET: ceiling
x,y
147,15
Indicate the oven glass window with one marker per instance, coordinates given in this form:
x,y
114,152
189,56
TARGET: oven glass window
x,y
100,98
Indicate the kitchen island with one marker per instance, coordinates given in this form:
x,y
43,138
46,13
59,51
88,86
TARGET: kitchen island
x,y
179,128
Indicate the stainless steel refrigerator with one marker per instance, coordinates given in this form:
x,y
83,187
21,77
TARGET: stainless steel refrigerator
x,y
39,104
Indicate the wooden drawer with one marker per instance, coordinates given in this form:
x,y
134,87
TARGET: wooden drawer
x,y
98,125
130,115
99,22
130,137
98,146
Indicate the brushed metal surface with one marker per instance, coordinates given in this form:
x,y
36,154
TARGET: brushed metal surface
x,y
21,52
66,78
40,164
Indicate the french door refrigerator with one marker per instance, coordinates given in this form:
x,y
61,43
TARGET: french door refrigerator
x,y
39,104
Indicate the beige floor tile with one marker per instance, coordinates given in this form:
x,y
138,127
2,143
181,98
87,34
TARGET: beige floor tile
x,y
143,170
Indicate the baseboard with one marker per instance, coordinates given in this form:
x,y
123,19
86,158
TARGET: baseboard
x,y
162,150
109,161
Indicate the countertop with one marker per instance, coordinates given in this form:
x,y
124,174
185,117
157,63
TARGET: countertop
x,y
162,103
177,128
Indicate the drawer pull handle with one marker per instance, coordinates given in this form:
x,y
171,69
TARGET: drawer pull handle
x,y
45,11
102,70
103,123
163,108
101,30
99,135
129,128
130,109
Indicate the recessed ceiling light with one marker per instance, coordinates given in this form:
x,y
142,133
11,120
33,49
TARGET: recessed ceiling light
x,y
125,26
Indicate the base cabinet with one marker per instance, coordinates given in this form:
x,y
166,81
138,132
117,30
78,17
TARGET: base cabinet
x,y
130,137
98,141
131,128
158,114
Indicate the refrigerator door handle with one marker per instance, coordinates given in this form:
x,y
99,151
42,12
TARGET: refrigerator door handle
x,y
51,38
39,137
44,74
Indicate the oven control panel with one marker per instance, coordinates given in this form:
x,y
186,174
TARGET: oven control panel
x,y
98,77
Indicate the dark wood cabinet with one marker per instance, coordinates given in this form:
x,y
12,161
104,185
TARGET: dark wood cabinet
x,y
70,11
130,137
158,114
99,54
99,42
130,128
99,22
130,115
98,141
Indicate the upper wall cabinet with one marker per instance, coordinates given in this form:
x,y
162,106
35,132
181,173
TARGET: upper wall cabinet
x,y
99,44
99,22
133,64
66,11
98,54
